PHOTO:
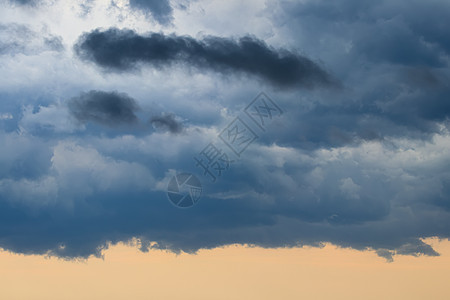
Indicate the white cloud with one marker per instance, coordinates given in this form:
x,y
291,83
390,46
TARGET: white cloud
x,y
349,188
6,116
54,117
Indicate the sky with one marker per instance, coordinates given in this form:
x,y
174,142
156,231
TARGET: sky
x,y
232,272
186,126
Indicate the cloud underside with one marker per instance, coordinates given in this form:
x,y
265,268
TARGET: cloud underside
x,y
76,199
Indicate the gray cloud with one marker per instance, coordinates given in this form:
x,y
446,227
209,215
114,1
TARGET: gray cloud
x,y
375,196
391,55
161,10
108,108
19,38
168,122
123,50
397,32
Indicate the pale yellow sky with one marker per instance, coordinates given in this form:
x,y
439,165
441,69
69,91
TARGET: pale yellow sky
x,y
234,272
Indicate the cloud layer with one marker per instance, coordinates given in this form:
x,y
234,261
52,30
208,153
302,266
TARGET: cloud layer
x,y
86,154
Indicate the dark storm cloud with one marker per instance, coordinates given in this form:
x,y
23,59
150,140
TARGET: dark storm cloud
x,y
398,32
123,50
391,55
167,122
159,9
306,200
109,108
414,105
120,216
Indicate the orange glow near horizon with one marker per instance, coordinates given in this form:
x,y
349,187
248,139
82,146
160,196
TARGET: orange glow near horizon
x,y
233,272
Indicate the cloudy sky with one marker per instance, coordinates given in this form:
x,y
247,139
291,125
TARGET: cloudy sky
x,y
102,102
